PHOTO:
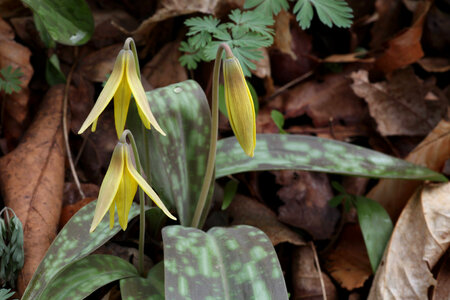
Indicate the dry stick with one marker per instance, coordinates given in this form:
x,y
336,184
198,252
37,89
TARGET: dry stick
x,y
65,133
316,258
289,85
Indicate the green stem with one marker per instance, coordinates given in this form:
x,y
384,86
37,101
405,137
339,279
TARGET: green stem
x,y
210,165
130,45
141,200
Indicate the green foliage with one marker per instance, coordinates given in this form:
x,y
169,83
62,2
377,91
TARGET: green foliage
x,y
10,80
267,7
53,73
278,119
229,192
376,225
150,288
5,294
11,247
246,32
223,263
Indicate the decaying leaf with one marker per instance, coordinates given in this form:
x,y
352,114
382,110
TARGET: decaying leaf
x,y
282,36
432,152
246,211
306,197
32,179
100,63
435,64
400,105
442,288
420,237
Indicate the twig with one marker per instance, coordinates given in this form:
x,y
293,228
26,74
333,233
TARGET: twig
x,y
64,121
316,258
289,85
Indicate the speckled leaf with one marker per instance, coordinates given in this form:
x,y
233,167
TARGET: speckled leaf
x,y
86,275
150,288
72,243
68,22
178,160
301,152
224,263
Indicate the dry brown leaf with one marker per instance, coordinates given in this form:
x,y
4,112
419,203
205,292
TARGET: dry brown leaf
x,y
16,116
305,196
420,237
405,48
263,65
32,179
164,68
81,100
17,56
247,211
399,105
432,153
169,9
283,38
305,277
9,8
435,64
347,58
436,31
6,32
387,24
98,64
348,263
442,288
335,132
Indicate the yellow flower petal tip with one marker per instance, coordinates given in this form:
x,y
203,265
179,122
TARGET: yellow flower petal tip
x,y
123,82
240,108
119,188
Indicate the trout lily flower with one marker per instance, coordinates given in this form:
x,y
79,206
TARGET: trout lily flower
x,y
240,108
119,188
123,82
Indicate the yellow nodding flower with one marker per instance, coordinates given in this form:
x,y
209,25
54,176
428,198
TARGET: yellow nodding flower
x,y
119,188
238,99
123,82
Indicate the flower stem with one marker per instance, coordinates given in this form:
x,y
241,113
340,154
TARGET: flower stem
x,y
141,201
210,165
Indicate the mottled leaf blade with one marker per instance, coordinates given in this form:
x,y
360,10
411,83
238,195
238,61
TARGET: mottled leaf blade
x,y
86,275
301,152
224,263
150,288
376,227
177,160
72,243
68,22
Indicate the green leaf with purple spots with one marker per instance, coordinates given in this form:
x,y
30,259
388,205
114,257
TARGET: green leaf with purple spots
x,y
177,161
86,275
301,152
72,243
150,288
236,263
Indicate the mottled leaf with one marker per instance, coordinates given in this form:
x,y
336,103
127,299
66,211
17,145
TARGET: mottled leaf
x,y
224,263
72,243
86,275
178,160
281,152
150,288
376,227
68,22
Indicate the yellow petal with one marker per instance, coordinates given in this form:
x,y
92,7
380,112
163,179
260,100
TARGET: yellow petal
x,y
107,93
124,197
110,185
112,209
238,99
94,125
121,103
145,186
139,94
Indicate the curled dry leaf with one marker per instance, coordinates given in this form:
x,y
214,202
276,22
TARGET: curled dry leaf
x,y
263,65
420,237
400,105
247,211
405,48
435,64
32,179
282,37
164,68
306,196
305,277
432,153
6,32
98,64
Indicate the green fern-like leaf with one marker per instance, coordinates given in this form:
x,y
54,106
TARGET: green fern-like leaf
x,y
250,21
191,57
267,7
330,12
10,80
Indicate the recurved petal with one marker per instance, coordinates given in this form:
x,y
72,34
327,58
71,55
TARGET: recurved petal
x,y
107,93
112,210
121,103
110,185
139,94
240,108
124,197
146,187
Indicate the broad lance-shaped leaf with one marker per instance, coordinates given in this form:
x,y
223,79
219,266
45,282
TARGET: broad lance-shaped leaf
x,y
150,288
68,22
178,160
72,243
301,152
83,277
224,263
